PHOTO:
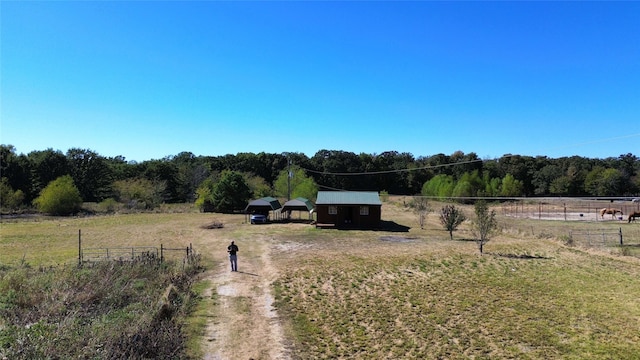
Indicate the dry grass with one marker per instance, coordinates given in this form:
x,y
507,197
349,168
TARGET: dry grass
x,y
413,294
423,296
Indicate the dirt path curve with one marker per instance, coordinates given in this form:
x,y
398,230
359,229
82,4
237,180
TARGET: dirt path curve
x,y
243,324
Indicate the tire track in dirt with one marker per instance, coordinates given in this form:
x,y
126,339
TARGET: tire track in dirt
x,y
243,324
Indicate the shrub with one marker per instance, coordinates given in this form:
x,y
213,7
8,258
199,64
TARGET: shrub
x,y
451,217
109,205
10,199
60,197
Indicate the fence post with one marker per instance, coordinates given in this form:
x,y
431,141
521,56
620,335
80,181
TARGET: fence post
x,y
620,233
161,253
565,211
79,247
539,210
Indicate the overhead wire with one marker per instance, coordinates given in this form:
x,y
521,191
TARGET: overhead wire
x,y
391,171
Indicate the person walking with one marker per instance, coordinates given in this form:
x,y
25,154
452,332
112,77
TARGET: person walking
x,y
232,249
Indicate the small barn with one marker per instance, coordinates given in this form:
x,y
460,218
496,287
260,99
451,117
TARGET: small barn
x,y
299,204
263,206
349,209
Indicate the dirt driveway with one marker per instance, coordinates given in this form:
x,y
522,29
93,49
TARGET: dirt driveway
x,y
242,322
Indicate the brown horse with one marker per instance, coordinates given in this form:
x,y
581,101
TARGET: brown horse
x,y
611,211
633,216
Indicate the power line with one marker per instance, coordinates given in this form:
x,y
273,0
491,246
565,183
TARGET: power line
x,y
457,163
391,171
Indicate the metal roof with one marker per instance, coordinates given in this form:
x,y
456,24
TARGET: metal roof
x,y
300,204
348,198
264,203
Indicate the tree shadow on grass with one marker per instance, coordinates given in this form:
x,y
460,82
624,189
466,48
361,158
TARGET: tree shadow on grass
x,y
519,256
464,239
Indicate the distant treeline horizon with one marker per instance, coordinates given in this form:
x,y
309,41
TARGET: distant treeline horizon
x,y
397,173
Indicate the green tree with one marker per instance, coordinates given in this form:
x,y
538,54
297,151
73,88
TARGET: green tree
x,y
10,199
139,193
17,170
91,174
45,167
439,186
450,218
258,186
560,186
511,186
230,193
544,178
468,185
485,224
300,184
204,195
60,197
604,182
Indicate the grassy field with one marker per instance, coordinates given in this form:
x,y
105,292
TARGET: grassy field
x,y
402,294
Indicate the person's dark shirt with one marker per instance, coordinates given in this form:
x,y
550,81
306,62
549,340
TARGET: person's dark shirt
x,y
232,249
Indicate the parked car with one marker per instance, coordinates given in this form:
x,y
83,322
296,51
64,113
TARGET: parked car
x,y
258,219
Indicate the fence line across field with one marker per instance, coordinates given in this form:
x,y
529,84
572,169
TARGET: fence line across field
x,y
598,236
128,253
551,209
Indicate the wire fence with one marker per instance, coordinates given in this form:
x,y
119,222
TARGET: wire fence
x,y
597,237
138,254
569,209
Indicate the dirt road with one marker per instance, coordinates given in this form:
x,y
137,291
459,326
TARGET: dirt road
x,y
242,323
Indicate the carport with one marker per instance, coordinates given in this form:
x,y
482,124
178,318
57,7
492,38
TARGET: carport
x,y
262,206
299,204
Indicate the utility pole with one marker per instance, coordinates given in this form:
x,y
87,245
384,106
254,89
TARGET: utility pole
x,y
289,176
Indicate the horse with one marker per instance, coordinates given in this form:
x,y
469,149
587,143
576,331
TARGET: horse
x,y
633,216
611,211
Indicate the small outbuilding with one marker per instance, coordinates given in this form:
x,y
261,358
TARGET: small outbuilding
x,y
263,206
299,204
349,209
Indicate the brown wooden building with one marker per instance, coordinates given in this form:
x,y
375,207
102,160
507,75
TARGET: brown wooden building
x,y
349,209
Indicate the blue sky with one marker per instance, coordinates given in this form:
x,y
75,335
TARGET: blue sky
x,y
146,79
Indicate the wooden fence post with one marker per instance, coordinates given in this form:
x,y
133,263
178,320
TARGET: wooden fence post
x,y
161,253
539,210
620,233
79,247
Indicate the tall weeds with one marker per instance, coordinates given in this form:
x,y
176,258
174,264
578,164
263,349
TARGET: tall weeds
x,y
108,311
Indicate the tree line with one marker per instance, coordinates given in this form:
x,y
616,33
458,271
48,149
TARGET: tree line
x,y
186,178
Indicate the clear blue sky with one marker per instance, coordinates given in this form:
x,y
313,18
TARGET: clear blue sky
x,y
146,79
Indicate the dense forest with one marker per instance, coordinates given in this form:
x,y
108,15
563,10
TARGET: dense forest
x,y
180,178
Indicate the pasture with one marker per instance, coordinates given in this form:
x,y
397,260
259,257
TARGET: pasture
x,y
304,293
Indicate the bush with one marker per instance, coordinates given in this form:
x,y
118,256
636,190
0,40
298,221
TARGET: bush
x,y
109,205
60,197
9,199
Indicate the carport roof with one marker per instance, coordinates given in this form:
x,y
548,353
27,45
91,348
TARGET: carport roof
x,y
300,204
265,203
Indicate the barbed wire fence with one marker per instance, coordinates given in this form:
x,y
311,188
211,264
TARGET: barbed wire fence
x,y
134,254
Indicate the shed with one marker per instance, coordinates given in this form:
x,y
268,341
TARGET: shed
x,y
263,206
299,204
349,209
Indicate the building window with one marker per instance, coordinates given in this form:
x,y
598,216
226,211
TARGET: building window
x,y
364,210
333,210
